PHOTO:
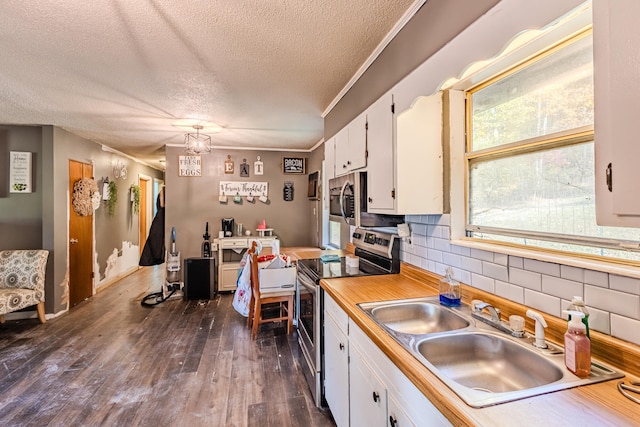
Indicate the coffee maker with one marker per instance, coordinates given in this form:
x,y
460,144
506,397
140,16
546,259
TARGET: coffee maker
x,y
227,227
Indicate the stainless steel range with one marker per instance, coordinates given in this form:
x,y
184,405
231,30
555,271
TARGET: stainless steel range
x,y
378,252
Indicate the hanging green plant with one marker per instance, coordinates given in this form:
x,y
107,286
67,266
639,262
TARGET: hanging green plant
x,y
135,198
113,197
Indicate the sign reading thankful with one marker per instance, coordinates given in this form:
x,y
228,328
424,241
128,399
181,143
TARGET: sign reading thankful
x,y
234,188
189,166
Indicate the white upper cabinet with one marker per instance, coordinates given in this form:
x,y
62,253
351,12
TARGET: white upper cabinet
x,y
330,158
617,102
381,166
415,164
351,146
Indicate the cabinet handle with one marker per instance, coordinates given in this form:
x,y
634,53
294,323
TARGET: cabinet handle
x,y
609,176
392,421
348,162
341,346
376,396
370,200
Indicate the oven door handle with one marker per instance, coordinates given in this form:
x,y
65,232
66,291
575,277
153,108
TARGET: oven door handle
x,y
307,282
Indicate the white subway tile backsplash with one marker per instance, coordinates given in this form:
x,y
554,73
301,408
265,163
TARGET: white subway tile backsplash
x,y
597,278
434,255
548,268
510,292
625,328
598,320
451,259
624,284
484,283
501,259
411,218
462,276
516,261
562,288
442,244
445,233
440,269
495,271
419,240
542,302
471,264
482,255
444,220
612,301
572,273
419,229
526,279
461,250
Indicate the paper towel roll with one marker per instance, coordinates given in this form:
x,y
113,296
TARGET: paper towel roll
x,y
352,261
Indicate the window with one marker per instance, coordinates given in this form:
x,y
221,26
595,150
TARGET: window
x,y
334,234
530,156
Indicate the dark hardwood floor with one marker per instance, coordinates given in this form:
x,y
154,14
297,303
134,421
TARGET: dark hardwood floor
x,y
112,362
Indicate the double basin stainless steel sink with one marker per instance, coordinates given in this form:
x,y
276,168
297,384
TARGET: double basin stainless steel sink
x,y
482,365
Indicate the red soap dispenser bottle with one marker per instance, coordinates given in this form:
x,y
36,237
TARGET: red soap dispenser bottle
x,y
577,347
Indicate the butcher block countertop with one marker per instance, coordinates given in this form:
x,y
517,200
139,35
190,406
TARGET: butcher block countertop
x,y
592,405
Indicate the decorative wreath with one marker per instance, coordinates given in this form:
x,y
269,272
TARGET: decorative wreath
x,y
83,191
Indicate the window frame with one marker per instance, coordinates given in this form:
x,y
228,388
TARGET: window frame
x,y
460,212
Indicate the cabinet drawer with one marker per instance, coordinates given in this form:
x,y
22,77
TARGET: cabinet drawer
x,y
337,313
235,243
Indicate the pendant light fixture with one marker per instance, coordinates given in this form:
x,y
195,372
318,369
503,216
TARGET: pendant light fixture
x,y
196,143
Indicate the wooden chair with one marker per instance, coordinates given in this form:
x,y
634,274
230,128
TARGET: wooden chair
x,y
282,301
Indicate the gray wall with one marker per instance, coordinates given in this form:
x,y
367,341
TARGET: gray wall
x,y
431,28
40,219
193,201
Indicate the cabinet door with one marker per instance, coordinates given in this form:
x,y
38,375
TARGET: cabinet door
x,y
617,101
419,158
228,276
381,164
330,158
336,365
397,416
342,151
367,394
358,143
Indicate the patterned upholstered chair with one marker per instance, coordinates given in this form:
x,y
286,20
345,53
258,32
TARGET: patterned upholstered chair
x,y
22,275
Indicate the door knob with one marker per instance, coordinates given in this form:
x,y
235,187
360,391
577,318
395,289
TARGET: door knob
x,y
73,241
376,396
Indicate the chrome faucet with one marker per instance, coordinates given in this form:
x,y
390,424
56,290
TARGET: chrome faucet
x,y
493,319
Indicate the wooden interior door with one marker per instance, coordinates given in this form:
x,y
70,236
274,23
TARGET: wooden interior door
x,y
144,213
80,241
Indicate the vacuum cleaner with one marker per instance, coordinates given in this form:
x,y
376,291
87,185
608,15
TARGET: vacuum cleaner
x,y
172,284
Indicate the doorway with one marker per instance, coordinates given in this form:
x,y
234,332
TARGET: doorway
x,y
80,241
143,214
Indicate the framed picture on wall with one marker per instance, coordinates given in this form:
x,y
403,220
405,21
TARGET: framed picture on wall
x,y
294,165
312,190
20,172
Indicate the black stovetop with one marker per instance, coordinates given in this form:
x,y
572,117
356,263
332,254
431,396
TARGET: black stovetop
x,y
327,270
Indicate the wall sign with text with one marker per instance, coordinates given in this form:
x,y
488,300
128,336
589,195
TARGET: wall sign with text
x,y
189,165
20,172
293,165
236,188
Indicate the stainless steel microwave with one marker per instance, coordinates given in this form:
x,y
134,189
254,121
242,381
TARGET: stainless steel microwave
x,y
348,203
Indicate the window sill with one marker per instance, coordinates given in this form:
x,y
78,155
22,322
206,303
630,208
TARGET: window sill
x,y
553,257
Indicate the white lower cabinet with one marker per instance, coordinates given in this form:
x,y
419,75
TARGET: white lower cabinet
x,y
397,415
363,387
367,394
336,364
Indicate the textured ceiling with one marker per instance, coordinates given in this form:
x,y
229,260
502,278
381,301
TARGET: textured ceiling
x,y
128,73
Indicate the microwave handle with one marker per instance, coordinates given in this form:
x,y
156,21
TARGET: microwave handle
x,y
344,215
